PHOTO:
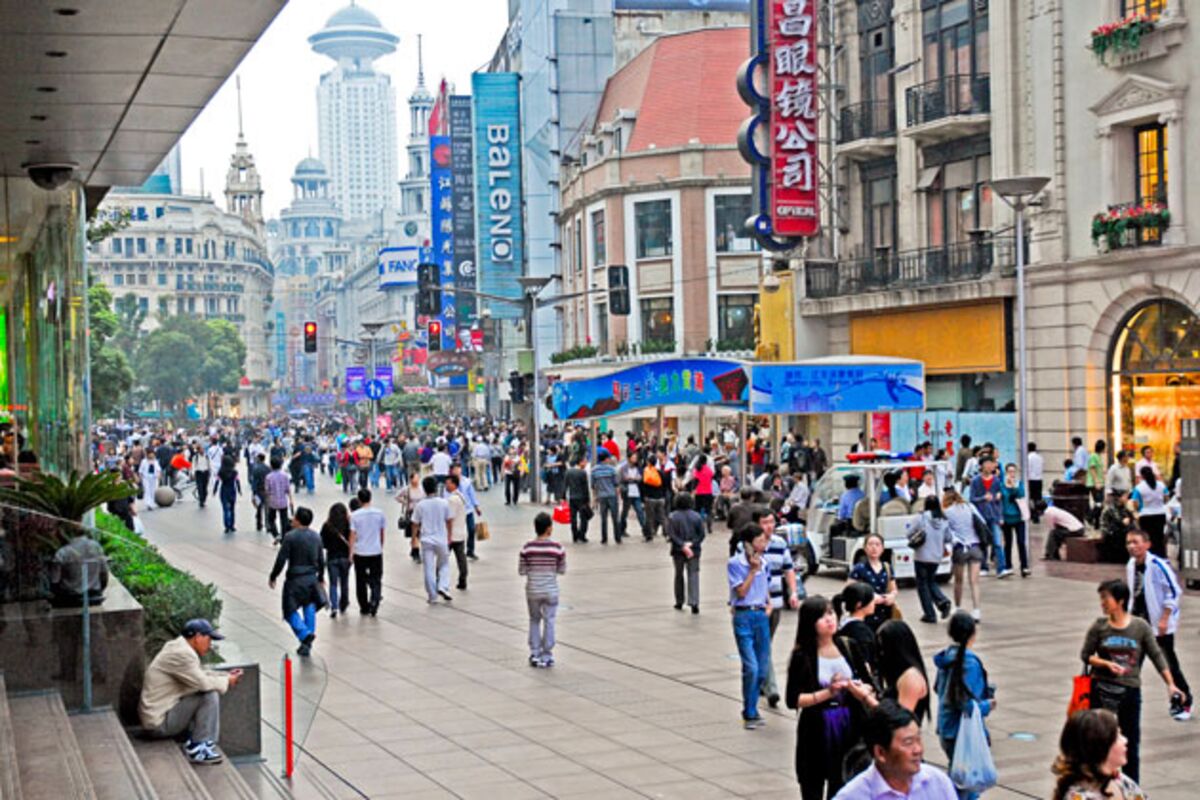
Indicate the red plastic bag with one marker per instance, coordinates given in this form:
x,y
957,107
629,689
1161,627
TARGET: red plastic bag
x,y
562,513
1081,695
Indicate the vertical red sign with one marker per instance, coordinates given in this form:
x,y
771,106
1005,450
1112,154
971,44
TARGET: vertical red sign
x,y
792,37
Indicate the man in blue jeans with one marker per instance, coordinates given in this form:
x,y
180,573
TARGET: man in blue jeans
x,y
985,494
749,594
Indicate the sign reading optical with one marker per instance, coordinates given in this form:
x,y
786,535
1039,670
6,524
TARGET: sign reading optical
x,y
792,43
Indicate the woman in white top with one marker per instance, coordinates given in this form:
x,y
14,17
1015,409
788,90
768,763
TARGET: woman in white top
x,y
1151,497
967,552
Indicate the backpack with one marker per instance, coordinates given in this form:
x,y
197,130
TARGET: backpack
x,y
651,476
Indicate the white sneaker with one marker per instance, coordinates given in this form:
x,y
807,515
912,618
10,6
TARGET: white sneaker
x,y
975,614
1004,573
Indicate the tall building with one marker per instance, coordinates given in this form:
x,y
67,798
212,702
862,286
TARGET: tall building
x,y
356,110
414,189
941,98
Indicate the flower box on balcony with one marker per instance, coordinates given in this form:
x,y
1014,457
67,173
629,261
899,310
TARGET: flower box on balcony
x,y
1121,36
1123,226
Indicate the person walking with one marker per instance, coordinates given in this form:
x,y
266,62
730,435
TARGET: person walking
x,y
985,495
1151,497
335,537
1114,648
966,555
579,500
629,477
902,669
749,595
393,458
1012,516
257,478
654,495
961,682
1119,478
1154,597
408,498
347,462
150,471
481,464
278,488
702,473
227,487
685,530
541,561
876,573
831,699
304,585
1092,752
367,526
431,517
201,473
512,477
466,487
604,494
785,591
936,543
1035,467
1097,467
457,528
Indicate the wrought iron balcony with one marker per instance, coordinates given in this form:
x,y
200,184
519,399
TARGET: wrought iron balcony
x,y
948,96
873,119
932,266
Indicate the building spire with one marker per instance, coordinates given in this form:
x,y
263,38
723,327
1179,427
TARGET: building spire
x,y
420,63
238,80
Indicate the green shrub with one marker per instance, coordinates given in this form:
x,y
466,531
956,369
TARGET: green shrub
x,y
169,596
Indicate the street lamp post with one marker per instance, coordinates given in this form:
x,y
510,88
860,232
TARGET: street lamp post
x,y
1017,192
532,285
371,329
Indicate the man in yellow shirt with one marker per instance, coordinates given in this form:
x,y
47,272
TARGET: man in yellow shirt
x,y
179,695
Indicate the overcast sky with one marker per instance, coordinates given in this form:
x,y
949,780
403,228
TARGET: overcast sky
x,y
280,76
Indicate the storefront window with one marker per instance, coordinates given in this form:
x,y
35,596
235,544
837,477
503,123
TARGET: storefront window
x,y
652,222
658,319
1155,378
730,212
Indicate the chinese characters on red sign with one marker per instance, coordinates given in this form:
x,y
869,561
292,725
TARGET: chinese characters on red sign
x,y
794,160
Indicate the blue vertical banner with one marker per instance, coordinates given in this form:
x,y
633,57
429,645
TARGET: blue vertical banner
x,y
442,208
462,170
500,229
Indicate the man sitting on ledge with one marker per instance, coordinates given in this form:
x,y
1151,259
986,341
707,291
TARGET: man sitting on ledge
x,y
1063,525
180,696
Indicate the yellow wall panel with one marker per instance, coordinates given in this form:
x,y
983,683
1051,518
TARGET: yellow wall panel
x,y
949,339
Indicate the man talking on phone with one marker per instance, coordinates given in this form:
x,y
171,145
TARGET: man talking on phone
x,y
749,596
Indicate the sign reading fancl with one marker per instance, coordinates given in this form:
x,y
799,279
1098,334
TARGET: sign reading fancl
x,y
398,266
792,51
498,188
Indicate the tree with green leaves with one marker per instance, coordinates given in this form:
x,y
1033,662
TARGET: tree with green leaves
x,y
130,318
188,356
112,377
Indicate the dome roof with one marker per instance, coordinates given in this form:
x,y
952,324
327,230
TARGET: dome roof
x,y
354,16
311,166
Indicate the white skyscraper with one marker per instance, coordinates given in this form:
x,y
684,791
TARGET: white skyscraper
x,y
356,116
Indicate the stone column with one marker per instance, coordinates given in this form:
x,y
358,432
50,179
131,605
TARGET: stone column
x,y
1176,233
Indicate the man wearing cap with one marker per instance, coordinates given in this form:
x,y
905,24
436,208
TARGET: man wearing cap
x,y
179,696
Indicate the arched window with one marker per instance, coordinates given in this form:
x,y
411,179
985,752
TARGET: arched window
x,y
312,230
1154,377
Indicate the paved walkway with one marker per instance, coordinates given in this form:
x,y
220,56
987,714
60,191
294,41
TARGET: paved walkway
x,y
425,702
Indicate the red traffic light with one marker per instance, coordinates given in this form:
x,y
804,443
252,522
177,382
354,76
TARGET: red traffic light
x,y
310,337
435,329
310,328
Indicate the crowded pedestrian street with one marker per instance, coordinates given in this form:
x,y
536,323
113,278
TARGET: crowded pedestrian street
x,y
433,701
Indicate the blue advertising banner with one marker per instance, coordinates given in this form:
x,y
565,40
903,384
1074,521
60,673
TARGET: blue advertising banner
x,y
692,381
442,213
398,266
356,379
384,375
682,5
500,232
462,171
838,385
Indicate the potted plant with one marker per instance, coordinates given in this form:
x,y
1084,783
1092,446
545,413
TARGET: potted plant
x,y
1114,225
1123,35
43,512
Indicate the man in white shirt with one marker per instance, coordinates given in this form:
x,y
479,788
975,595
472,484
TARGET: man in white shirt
x,y
458,522
1119,479
431,528
392,456
367,526
440,464
1063,525
481,463
1080,457
1034,471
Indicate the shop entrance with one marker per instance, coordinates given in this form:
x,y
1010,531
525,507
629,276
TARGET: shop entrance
x,y
1154,378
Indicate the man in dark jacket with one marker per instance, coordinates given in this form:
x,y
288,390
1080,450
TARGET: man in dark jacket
x,y
304,584
985,494
579,497
258,487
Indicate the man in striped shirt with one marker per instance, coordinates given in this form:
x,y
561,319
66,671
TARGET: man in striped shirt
x,y
541,561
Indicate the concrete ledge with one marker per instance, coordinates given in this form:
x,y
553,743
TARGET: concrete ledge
x,y
241,713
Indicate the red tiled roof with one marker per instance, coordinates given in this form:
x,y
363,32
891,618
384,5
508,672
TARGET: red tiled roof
x,y
683,87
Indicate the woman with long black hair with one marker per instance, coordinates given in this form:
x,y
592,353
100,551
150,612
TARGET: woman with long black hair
x,y
902,669
854,606
1151,497
335,538
832,700
961,681
227,487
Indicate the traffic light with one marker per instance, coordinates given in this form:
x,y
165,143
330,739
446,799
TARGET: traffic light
x,y
618,290
435,336
516,387
429,291
310,337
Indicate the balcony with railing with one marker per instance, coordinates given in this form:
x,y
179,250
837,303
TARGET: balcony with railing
x,y
867,130
949,107
912,269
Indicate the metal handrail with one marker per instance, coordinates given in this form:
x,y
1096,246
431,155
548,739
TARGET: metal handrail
x,y
869,119
948,96
931,266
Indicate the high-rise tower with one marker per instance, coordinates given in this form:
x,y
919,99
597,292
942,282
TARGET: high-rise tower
x,y
414,189
356,116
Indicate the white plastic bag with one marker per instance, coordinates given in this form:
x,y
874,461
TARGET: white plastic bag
x,y
138,527
972,768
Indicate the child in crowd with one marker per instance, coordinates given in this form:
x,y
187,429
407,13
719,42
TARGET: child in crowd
x,y
541,561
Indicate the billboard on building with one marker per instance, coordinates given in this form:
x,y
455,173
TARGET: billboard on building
x,y
398,267
462,170
356,379
442,216
500,230
841,384
792,37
